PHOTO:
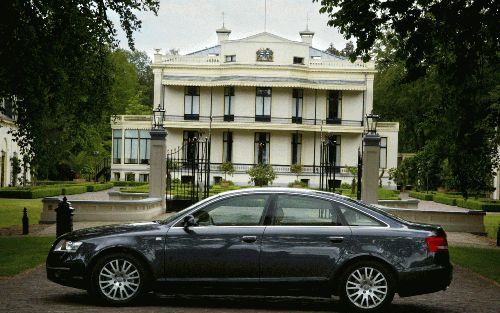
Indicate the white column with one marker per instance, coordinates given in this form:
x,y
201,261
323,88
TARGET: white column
x,y
157,166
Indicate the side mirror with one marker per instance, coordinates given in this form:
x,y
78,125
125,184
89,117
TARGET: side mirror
x,y
189,221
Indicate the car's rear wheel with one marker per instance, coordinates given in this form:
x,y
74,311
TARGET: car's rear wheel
x,y
367,286
118,279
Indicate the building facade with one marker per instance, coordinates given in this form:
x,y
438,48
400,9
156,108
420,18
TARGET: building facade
x,y
9,150
261,99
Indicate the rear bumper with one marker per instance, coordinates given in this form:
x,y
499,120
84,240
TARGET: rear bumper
x,y
424,281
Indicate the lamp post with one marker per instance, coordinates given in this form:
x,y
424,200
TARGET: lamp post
x,y
157,164
371,160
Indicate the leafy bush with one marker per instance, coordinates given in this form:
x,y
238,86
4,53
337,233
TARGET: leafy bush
x,y
262,174
345,186
296,169
421,195
444,199
297,184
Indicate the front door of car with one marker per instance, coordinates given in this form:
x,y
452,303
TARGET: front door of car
x,y
223,245
305,240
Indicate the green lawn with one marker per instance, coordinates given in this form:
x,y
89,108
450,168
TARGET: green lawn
x,y
11,211
485,262
491,223
18,254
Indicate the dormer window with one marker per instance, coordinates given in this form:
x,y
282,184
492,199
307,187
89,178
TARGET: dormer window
x,y
298,60
231,58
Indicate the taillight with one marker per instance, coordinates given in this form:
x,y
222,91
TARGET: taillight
x,y
436,243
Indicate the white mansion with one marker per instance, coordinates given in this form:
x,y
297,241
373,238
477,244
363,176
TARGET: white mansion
x,y
262,99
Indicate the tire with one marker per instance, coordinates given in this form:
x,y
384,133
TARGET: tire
x,y
367,286
118,279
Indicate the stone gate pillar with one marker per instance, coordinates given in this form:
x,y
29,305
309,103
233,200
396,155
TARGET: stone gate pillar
x,y
157,165
371,162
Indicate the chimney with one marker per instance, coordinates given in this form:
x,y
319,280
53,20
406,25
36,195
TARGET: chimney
x,y
222,34
307,36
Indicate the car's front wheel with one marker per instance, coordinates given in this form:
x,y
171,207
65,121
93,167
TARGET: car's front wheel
x,y
118,279
367,286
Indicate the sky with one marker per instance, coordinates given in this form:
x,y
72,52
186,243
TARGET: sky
x,y
189,25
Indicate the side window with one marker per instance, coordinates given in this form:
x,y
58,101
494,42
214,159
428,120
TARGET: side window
x,y
305,211
237,211
355,218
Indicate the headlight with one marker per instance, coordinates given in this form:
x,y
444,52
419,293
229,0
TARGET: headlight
x,y
67,246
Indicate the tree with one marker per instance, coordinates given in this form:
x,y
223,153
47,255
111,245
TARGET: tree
x,y
15,169
458,42
262,174
346,52
296,169
227,168
55,57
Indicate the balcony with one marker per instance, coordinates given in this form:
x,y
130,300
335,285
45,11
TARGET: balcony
x,y
260,118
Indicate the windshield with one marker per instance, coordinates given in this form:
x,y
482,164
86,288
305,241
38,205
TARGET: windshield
x,y
173,217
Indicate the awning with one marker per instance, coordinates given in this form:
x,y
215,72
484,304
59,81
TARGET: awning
x,y
259,81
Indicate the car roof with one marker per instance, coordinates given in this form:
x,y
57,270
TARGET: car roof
x,y
283,190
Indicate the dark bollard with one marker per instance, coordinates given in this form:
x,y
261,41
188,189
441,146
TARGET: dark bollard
x,y
498,236
64,217
26,224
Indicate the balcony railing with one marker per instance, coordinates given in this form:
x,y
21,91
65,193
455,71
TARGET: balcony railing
x,y
280,168
257,118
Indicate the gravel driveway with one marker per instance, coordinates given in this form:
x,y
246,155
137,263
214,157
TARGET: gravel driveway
x,y
32,292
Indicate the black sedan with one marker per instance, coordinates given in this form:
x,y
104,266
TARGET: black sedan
x,y
270,241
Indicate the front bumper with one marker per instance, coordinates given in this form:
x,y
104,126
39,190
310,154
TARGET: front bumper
x,y
65,269
424,281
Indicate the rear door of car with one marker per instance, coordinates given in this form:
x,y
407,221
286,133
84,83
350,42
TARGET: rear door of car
x,y
224,246
303,241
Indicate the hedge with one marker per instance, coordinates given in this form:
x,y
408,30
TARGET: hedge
x,y
99,187
72,190
30,193
128,183
485,205
444,200
421,195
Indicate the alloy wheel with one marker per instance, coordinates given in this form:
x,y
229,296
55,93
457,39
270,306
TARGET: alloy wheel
x,y
366,287
119,279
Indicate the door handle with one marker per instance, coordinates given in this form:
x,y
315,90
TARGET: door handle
x,y
249,239
334,239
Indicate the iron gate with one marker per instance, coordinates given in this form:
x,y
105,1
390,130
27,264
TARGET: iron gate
x,y
328,168
188,173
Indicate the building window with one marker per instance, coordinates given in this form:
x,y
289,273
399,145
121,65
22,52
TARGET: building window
x,y
334,148
117,146
296,148
116,176
131,146
298,60
383,152
231,58
192,103
261,148
298,97
334,107
229,103
144,178
263,104
227,138
144,146
130,177
190,140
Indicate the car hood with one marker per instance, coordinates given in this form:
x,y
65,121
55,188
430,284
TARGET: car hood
x,y
111,230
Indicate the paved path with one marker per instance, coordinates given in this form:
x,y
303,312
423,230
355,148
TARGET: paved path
x,y
432,206
32,292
